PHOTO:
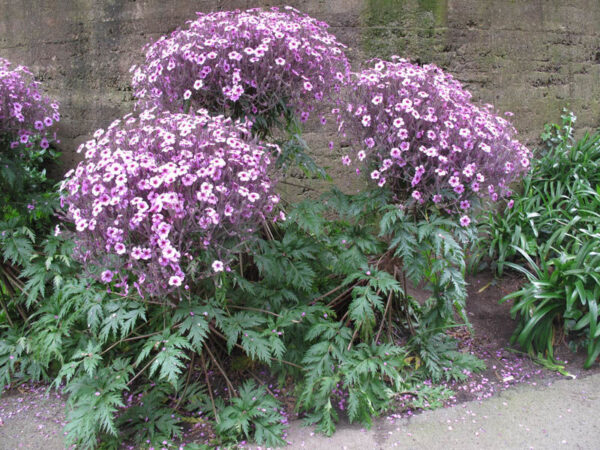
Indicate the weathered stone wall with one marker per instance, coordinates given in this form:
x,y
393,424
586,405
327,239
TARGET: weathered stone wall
x,y
532,57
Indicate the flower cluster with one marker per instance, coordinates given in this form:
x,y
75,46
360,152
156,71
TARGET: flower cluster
x,y
417,131
25,114
244,63
161,191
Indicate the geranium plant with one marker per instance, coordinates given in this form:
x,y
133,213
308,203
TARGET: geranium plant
x,y
27,196
262,64
27,119
160,195
416,131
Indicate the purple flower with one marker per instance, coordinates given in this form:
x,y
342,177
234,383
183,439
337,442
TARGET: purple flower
x,y
155,192
107,276
425,119
253,58
175,280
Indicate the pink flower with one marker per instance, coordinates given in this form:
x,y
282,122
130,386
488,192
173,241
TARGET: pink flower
x,y
217,266
136,253
107,276
454,181
152,227
421,117
175,280
465,221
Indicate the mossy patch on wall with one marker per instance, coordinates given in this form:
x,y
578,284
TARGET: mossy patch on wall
x,y
413,29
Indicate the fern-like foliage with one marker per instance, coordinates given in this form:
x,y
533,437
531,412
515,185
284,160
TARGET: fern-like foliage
x,y
367,374
439,357
93,403
254,415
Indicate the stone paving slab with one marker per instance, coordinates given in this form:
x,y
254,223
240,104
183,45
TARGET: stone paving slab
x,y
564,415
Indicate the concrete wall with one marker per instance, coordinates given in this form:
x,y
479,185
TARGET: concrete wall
x,y
532,57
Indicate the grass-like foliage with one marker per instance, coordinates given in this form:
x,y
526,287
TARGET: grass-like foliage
x,y
550,234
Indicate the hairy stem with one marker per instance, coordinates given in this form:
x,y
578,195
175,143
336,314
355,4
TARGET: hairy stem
x,y
221,335
142,371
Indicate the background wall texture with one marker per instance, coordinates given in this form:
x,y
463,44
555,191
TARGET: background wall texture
x,y
532,57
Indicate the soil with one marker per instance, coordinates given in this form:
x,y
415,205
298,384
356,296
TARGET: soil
x,y
29,415
493,327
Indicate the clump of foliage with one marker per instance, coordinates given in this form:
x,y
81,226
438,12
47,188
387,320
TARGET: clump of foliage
x,y
416,131
27,119
162,199
259,64
26,115
137,368
170,283
274,67
550,232
27,197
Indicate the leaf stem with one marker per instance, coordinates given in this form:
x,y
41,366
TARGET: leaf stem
x,y
212,400
229,385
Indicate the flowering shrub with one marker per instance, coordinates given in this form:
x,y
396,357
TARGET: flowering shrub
x,y
418,133
25,113
26,118
255,63
156,193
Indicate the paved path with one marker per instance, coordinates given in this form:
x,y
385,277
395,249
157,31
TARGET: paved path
x,y
564,415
